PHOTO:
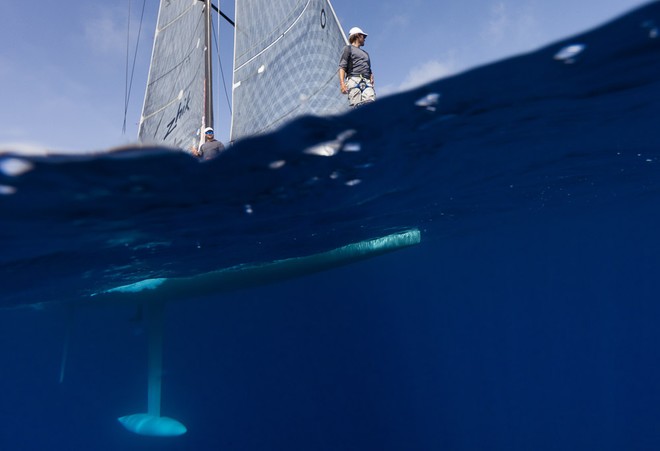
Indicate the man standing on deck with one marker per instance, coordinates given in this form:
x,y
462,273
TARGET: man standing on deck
x,y
211,147
355,76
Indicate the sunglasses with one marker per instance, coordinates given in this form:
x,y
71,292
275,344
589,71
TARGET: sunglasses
x,y
208,133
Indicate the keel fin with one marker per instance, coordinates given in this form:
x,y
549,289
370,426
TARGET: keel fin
x,y
151,423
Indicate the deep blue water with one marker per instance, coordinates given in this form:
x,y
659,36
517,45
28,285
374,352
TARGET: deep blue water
x,y
527,318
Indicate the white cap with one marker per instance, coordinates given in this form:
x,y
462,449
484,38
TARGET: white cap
x,y
355,30
208,129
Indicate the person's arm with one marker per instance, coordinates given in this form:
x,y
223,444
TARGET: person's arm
x,y
343,67
342,77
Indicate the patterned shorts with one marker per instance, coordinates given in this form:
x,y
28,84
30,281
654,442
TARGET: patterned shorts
x,y
360,90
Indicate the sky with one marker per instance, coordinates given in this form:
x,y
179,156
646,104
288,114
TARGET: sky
x,y
63,64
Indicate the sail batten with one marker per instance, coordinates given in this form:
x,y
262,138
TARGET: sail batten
x,y
164,107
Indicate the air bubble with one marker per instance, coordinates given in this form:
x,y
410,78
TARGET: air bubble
x,y
15,166
343,136
277,164
248,209
428,100
352,147
7,190
327,149
330,148
650,25
568,53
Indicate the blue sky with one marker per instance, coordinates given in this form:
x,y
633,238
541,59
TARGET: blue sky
x,y
63,64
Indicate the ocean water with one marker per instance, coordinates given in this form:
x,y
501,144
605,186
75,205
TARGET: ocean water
x,y
527,317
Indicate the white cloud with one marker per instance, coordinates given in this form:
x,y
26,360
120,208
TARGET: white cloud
x,y
512,26
427,72
105,30
420,75
397,22
23,148
498,23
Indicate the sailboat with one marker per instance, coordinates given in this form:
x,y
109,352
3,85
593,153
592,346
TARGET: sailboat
x,y
286,55
285,65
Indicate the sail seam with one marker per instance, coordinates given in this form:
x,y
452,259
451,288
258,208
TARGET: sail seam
x,y
176,66
177,18
283,116
276,40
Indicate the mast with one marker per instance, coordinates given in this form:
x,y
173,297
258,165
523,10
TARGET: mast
x,y
208,78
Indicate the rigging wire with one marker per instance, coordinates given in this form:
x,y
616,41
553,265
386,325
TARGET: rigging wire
x,y
128,42
129,83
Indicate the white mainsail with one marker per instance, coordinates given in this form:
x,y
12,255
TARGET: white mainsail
x,y
174,103
286,54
